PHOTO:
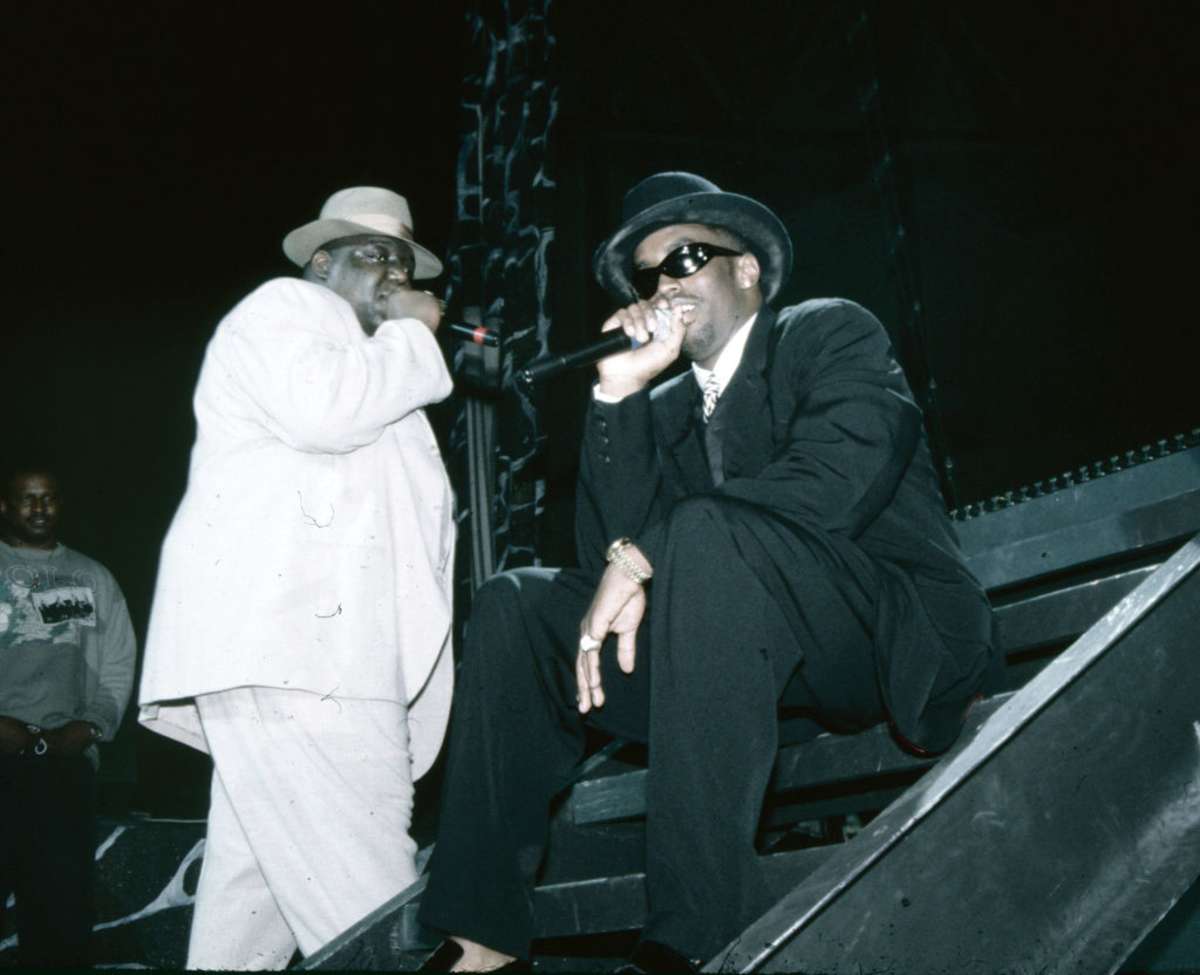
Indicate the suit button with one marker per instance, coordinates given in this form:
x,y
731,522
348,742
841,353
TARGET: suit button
x,y
604,439
606,458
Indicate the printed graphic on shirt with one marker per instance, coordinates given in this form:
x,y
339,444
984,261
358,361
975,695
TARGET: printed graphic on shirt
x,y
44,615
60,605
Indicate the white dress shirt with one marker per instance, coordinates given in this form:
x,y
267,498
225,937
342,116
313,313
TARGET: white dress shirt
x,y
729,359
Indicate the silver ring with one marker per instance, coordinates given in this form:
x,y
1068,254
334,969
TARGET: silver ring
x,y
589,644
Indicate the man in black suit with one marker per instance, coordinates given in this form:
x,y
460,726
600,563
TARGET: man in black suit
x,y
765,526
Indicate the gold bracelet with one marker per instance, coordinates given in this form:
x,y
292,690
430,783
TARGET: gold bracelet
x,y
616,556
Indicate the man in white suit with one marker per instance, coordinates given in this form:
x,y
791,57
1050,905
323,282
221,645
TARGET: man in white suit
x,y
300,632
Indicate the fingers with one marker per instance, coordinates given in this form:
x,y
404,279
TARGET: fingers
x,y
583,693
638,320
672,331
626,651
591,666
441,304
641,322
421,305
587,674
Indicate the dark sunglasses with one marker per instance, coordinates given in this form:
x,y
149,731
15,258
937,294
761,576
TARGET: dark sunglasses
x,y
682,262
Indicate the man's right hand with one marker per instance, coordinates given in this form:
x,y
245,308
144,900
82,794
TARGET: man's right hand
x,y
661,336
71,739
421,305
14,736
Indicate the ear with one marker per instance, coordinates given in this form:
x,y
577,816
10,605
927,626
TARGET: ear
x,y
320,263
747,271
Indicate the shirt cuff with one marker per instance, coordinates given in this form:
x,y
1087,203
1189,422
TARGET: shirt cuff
x,y
100,721
403,324
600,397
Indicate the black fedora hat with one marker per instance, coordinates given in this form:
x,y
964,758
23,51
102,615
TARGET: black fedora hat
x,y
669,198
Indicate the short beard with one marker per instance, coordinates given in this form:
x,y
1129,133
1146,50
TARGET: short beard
x,y
696,344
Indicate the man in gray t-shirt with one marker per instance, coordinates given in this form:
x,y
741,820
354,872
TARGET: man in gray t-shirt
x,y
67,654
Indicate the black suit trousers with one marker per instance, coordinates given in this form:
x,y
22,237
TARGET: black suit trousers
x,y
715,654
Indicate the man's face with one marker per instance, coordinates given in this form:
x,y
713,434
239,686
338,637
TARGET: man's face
x,y
30,507
715,300
365,270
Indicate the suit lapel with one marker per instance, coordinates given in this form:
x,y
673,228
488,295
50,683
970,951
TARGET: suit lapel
x,y
677,430
739,433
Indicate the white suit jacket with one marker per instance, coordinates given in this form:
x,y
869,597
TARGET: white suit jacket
x,y
314,546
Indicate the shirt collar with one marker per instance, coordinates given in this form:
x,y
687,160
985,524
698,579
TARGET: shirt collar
x,y
729,359
26,552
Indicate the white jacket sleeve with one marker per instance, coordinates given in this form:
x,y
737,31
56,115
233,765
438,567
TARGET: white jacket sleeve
x,y
322,385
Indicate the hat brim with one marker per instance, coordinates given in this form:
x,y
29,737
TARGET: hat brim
x,y
303,242
746,217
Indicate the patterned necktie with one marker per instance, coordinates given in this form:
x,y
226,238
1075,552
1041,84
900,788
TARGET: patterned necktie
x,y
712,389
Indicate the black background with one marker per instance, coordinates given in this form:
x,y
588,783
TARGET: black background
x,y
156,154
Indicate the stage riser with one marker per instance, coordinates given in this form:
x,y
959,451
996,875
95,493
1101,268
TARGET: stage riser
x,y
1053,841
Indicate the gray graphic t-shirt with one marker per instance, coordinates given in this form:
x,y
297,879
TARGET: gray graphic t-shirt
x,y
64,634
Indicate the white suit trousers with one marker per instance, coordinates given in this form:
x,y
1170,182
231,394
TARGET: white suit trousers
x,y
308,823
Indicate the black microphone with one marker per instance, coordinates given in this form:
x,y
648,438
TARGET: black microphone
x,y
550,366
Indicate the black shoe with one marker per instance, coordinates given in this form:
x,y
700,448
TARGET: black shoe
x,y
651,957
446,954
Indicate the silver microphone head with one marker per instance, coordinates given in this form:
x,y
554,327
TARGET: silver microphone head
x,y
662,319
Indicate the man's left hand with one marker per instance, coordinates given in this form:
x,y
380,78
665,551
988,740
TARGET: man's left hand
x,y
617,607
71,739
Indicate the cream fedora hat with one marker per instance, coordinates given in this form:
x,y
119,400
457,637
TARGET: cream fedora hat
x,y
360,210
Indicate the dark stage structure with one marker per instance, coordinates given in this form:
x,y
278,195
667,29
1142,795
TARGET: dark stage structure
x,y
1012,192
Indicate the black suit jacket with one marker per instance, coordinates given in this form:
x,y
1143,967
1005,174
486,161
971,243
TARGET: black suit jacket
x,y
819,430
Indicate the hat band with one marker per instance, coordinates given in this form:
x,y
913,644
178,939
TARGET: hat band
x,y
385,223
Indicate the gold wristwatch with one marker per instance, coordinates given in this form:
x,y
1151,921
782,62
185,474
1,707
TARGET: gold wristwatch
x,y
617,556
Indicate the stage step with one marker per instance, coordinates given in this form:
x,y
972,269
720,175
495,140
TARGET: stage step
x,y
391,940
1052,840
